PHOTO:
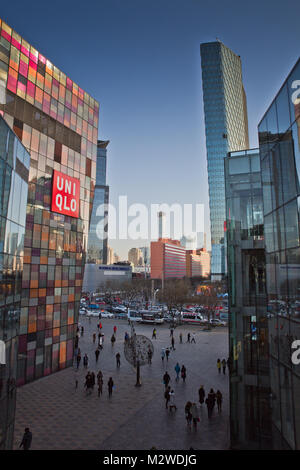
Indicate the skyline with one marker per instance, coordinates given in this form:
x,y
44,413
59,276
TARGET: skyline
x,y
155,111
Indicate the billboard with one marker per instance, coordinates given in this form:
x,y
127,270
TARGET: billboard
x,y
65,194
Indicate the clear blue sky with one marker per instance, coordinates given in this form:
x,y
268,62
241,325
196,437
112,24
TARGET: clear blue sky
x,y
141,60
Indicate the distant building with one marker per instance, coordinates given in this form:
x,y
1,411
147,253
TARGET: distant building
x,y
167,259
226,129
146,255
197,263
135,256
97,241
97,275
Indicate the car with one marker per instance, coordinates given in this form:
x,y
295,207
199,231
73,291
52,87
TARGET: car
x,y
106,314
82,311
217,322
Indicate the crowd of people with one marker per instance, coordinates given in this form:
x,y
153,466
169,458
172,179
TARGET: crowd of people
x,y
191,408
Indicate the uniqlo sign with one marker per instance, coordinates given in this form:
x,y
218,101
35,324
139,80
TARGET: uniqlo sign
x,y
65,194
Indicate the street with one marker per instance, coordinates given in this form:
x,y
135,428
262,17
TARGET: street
x,y
61,417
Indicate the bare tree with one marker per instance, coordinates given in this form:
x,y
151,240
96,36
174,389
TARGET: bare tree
x,y
210,300
175,294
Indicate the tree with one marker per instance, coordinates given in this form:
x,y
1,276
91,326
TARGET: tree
x,y
210,300
175,294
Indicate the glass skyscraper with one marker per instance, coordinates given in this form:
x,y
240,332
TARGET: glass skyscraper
x,y
264,279
57,122
226,129
279,144
97,244
250,412
14,171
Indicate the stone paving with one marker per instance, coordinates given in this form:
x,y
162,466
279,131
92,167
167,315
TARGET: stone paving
x,y
61,417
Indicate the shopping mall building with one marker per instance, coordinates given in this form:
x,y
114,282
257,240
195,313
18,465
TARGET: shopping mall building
x,y
48,150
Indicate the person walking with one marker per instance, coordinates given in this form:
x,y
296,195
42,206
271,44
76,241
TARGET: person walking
x,y
167,396
115,330
171,331
210,402
195,414
82,331
26,440
126,338
118,357
219,365
110,385
93,380
189,338
163,355
149,355
219,397
85,361
188,415
201,393
100,326
113,339
172,343
180,338
97,352
94,337
172,401
193,338
88,383
166,379
78,359
100,386
177,370
183,373
224,366
154,334
167,353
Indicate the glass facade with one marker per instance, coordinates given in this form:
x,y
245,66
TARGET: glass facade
x,y
14,171
97,243
250,415
226,129
57,122
279,142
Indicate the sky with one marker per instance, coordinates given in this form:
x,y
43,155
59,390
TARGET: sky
x,y
141,60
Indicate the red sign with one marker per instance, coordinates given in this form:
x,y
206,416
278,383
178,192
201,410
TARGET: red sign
x,y
65,194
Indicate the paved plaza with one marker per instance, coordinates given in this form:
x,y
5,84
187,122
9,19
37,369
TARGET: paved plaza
x,y
61,417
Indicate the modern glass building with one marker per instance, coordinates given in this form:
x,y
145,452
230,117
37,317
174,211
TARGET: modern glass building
x,y
226,129
57,122
97,243
279,143
14,171
250,412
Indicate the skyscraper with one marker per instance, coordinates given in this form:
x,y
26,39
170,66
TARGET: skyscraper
x,y
97,243
226,129
57,122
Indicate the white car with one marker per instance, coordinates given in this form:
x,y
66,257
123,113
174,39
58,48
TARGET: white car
x,y
106,314
217,322
82,311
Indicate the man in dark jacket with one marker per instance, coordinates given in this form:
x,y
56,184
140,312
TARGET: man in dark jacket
x,y
27,438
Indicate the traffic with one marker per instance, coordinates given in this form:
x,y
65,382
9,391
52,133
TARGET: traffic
x,y
145,312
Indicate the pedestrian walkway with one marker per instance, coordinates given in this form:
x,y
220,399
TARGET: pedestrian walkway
x,y
61,417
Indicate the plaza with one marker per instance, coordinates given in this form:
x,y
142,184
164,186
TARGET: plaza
x,y
63,417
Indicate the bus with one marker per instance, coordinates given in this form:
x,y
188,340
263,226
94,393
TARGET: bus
x,y
193,318
150,316
134,315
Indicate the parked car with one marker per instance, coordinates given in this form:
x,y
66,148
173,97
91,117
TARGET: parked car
x,y
217,322
82,311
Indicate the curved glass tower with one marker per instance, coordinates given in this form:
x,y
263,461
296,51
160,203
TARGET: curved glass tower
x,y
226,129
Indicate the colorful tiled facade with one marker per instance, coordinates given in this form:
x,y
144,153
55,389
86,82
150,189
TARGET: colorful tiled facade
x,y
57,122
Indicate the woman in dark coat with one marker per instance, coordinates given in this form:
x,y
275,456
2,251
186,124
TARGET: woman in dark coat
x,y
201,392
